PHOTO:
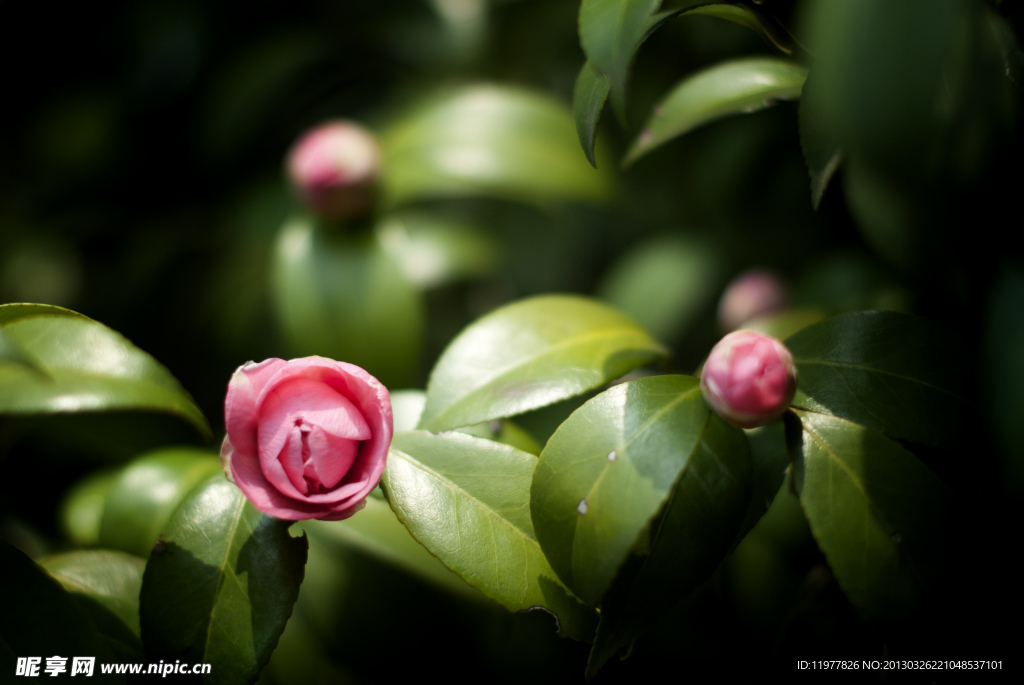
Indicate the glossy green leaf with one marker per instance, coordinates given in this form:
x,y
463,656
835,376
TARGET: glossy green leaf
x,y
611,31
78,364
109,582
346,298
738,86
145,494
588,98
665,283
433,249
221,586
686,542
876,511
615,29
488,141
898,374
376,531
609,470
12,312
407,408
820,145
530,354
38,617
467,501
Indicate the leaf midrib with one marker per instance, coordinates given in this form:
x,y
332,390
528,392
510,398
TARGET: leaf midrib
x,y
240,508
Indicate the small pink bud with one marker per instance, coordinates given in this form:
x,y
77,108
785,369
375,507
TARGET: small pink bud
x,y
749,378
754,293
334,167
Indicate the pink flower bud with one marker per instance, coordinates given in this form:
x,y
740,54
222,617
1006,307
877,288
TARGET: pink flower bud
x,y
334,167
306,438
749,378
754,293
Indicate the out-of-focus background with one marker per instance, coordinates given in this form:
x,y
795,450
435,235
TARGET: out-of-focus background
x,y
142,183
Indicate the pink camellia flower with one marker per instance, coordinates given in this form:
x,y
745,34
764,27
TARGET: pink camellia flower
x,y
753,293
306,438
334,168
749,378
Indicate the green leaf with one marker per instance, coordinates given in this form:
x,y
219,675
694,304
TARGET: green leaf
x,y
770,31
76,364
12,312
734,87
876,511
898,374
588,98
687,541
488,141
530,354
611,32
146,492
81,512
770,460
39,618
609,470
346,298
222,584
433,249
467,501
108,583
376,531
665,283
819,144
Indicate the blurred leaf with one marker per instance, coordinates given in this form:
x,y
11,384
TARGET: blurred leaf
x,y
607,472
222,584
143,496
688,539
378,532
407,408
488,141
433,249
909,88
467,501
784,324
345,298
111,580
78,364
734,87
611,31
530,354
876,511
588,98
820,145
81,511
898,374
39,618
664,283
1003,369
846,281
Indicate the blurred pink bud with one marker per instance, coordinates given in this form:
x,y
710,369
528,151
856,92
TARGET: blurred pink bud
x,y
334,167
754,293
749,378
